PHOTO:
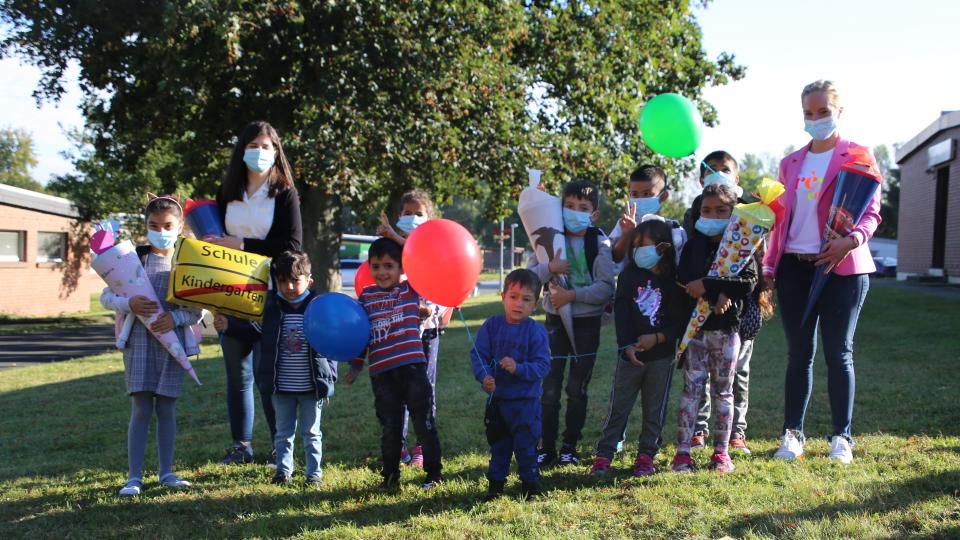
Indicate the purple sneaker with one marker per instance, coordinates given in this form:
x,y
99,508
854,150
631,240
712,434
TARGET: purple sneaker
x,y
643,466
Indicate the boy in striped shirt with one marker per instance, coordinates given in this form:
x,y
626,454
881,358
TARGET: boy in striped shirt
x,y
398,367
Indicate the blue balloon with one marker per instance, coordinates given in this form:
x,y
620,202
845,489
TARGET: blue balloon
x,y
336,326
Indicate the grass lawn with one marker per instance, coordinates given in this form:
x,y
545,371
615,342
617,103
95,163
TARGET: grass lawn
x,y
63,449
11,324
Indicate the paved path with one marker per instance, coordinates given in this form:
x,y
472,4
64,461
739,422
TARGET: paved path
x,y
55,345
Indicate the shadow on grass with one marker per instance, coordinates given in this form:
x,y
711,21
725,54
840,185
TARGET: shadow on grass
x,y
890,498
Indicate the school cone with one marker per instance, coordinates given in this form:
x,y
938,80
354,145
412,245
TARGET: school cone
x,y
542,218
121,269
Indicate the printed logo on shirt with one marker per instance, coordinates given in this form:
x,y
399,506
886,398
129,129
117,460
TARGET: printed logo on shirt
x,y
294,340
812,185
648,301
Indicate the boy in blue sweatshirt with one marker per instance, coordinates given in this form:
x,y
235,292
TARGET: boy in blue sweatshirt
x,y
510,359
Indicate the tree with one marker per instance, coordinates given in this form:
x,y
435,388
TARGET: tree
x,y
371,98
17,158
755,168
890,203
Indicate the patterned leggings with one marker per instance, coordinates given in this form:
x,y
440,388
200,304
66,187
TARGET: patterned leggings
x,y
714,356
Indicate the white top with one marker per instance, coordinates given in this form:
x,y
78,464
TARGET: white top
x,y
253,216
805,233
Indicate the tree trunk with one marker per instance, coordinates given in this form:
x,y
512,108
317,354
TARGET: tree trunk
x,y
322,227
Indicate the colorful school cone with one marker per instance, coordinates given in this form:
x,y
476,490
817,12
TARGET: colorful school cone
x,y
857,182
203,217
748,226
120,268
542,218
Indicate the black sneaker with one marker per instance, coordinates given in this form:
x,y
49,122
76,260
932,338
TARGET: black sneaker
x,y
390,484
281,479
238,454
546,458
432,482
272,460
314,481
494,491
530,490
568,456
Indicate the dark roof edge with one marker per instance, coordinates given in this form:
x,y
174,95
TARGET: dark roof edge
x,y
946,121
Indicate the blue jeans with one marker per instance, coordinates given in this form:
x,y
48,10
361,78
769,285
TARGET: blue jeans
x,y
837,311
309,408
242,362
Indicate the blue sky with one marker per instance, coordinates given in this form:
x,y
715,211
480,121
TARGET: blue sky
x,y
895,64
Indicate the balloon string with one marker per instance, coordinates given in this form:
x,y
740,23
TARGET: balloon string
x,y
473,345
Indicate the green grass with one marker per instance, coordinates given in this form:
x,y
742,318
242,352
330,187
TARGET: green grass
x,y
63,449
97,314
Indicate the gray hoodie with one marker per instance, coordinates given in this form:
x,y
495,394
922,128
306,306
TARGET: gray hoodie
x,y
592,298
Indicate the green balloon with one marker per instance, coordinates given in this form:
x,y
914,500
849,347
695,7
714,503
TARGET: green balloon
x,y
671,125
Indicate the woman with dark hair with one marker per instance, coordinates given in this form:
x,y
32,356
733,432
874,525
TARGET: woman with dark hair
x,y
796,252
261,214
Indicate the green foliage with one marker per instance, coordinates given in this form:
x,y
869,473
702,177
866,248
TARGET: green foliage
x,y
890,205
755,168
17,158
62,465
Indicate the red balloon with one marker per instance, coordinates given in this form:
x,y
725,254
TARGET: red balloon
x,y
442,262
363,278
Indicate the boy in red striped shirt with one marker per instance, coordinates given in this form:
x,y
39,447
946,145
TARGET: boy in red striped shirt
x,y
398,367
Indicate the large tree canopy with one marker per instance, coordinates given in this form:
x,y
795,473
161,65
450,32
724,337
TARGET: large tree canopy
x,y
371,98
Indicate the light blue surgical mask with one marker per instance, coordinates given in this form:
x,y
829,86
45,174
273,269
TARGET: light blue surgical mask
x,y
258,159
576,221
162,239
646,205
410,222
722,178
296,300
711,226
646,256
820,129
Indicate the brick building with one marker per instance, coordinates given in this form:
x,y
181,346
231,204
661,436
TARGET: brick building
x,y
44,262
929,226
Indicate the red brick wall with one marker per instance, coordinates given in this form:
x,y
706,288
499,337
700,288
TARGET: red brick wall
x,y
915,226
38,289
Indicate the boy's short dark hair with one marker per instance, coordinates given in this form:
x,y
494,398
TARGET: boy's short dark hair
x,y
717,155
582,189
291,265
386,246
523,278
650,173
722,191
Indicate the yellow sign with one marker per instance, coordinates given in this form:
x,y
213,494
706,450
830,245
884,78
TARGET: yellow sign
x,y
225,280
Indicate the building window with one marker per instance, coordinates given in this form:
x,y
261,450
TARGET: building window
x,y
51,247
11,246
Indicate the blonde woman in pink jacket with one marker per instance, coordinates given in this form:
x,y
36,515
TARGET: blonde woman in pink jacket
x,y
795,254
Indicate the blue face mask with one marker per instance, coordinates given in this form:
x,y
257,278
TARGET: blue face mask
x,y
410,222
575,221
710,226
820,129
296,300
646,205
162,239
258,159
646,256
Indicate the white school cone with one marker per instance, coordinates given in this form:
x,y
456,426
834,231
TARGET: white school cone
x,y
542,217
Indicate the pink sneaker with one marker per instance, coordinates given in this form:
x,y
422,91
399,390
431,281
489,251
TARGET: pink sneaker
x,y
416,459
682,463
643,466
601,466
720,462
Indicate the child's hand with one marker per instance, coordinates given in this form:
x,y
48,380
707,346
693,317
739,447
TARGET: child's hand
x,y
220,323
508,364
164,323
722,305
231,242
386,230
646,342
141,305
628,221
489,384
631,353
560,297
351,376
424,311
695,288
558,266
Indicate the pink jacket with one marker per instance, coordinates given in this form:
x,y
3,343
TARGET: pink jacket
x,y
858,261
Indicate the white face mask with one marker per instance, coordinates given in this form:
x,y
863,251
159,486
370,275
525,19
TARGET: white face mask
x,y
723,178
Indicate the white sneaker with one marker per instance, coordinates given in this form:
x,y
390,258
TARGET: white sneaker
x,y
131,488
840,450
790,446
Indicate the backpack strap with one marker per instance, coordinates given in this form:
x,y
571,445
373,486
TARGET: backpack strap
x,y
591,247
142,252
